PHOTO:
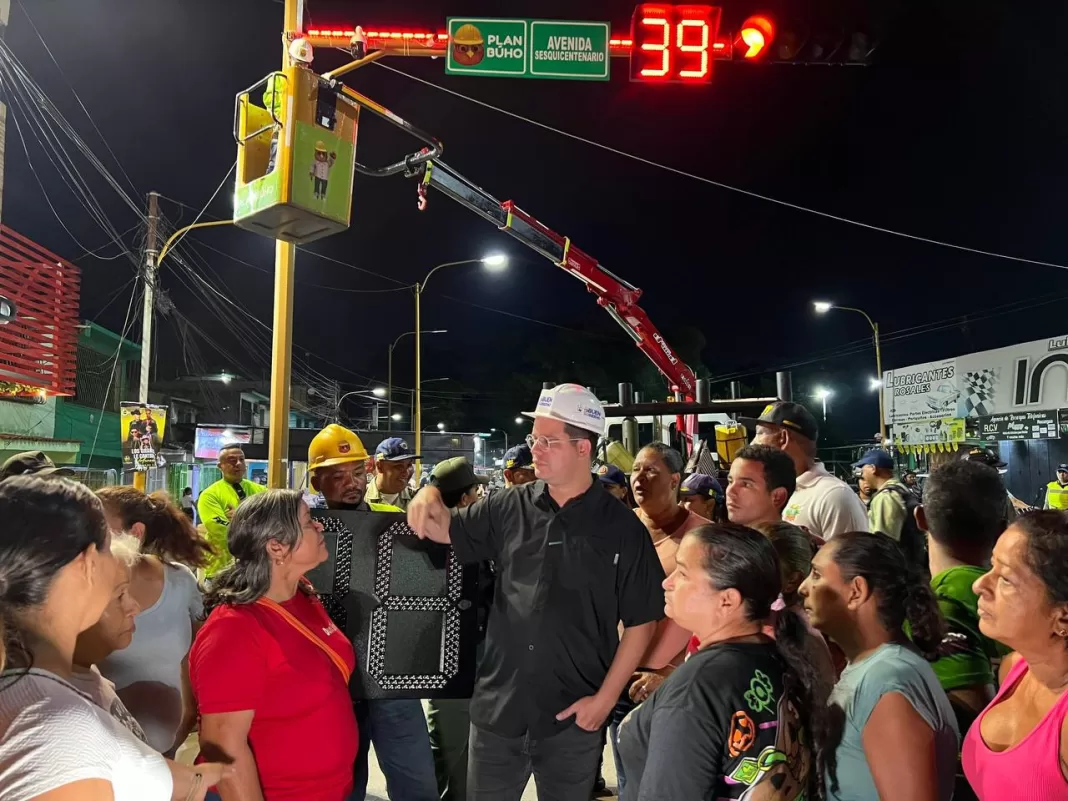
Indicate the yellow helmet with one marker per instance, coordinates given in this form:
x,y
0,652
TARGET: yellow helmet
x,y
320,146
335,445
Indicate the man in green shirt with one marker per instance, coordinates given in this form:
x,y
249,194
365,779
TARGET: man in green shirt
x,y
963,513
217,503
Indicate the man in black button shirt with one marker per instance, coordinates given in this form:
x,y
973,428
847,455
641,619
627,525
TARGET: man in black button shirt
x,y
572,563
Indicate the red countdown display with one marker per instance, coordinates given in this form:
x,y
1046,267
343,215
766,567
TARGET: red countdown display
x,y
674,43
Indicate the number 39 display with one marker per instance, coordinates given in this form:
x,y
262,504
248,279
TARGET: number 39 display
x,y
673,43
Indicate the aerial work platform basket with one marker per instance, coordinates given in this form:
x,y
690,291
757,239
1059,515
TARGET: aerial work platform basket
x,y
296,157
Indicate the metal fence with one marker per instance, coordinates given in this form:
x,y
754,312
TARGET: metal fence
x,y
94,478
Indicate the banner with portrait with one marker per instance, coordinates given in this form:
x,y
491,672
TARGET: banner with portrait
x,y
142,427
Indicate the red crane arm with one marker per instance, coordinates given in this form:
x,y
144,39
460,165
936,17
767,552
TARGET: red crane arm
x,y
618,297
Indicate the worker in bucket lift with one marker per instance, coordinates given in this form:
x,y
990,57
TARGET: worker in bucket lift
x,y
337,462
274,95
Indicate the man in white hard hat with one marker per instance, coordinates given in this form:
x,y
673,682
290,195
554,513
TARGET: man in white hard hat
x,y
572,564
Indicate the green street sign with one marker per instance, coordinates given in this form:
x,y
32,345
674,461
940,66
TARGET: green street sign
x,y
523,48
576,51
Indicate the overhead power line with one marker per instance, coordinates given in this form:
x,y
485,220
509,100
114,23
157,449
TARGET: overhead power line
x,y
720,184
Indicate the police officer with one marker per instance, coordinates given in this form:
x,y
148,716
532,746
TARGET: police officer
x,y
1057,491
337,461
573,563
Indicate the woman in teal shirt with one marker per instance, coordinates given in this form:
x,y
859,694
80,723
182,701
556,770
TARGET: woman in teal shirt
x,y
899,739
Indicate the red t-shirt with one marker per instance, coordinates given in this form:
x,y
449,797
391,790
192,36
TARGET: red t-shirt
x,y
303,734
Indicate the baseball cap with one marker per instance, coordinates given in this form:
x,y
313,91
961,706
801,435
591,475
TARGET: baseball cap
x,y
985,456
700,484
394,449
1063,468
32,463
456,474
611,475
518,457
876,457
793,416
571,404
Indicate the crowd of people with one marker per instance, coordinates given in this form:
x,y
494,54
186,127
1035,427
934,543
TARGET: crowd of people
x,y
774,638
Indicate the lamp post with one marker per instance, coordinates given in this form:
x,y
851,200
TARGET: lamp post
x,y
823,394
377,392
496,261
389,386
505,433
822,307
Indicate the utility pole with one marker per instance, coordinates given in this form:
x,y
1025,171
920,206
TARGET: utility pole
x,y
5,12
285,259
140,477
151,255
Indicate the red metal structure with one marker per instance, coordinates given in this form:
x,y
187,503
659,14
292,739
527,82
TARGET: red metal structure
x,y
38,348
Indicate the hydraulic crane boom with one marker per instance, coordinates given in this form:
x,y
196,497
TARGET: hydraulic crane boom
x,y
618,297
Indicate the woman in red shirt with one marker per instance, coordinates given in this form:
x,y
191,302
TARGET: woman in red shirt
x,y
269,669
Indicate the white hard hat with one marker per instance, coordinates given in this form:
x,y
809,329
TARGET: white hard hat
x,y
571,404
300,50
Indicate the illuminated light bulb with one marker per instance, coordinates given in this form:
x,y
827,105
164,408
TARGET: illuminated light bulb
x,y
757,34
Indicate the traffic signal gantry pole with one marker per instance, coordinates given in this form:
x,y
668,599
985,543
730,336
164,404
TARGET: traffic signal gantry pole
x,y
285,258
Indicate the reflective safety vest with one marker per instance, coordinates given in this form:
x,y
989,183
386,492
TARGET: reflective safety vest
x,y
274,95
1056,496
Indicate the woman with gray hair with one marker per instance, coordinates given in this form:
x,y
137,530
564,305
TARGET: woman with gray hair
x,y
269,670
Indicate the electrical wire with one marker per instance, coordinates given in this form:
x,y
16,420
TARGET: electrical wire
x,y
77,97
34,110
892,337
302,283
722,185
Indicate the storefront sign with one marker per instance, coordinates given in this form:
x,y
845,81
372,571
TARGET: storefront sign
x,y
1017,426
1029,377
923,392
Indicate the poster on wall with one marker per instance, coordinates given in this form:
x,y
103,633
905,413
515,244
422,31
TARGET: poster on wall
x,y
141,427
1029,377
1016,426
928,436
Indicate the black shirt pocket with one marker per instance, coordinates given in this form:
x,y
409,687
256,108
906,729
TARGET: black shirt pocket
x,y
587,563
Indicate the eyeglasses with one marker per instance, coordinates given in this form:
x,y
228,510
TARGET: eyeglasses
x,y
548,444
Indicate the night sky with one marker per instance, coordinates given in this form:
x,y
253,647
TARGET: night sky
x,y
956,133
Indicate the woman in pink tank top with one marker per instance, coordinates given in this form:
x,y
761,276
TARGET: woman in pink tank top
x,y
1018,746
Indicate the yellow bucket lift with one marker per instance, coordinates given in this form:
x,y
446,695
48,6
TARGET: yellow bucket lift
x,y
296,153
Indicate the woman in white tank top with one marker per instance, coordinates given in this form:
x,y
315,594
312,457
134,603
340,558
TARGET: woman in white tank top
x,y
57,575
151,675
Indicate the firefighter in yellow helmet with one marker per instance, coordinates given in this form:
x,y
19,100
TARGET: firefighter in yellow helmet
x,y
337,461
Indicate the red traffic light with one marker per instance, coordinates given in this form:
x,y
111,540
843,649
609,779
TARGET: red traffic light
x,y
755,37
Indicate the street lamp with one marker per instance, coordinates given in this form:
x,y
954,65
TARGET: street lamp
x,y
495,262
441,426
876,383
519,421
389,384
824,306
377,392
396,417
505,433
823,394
